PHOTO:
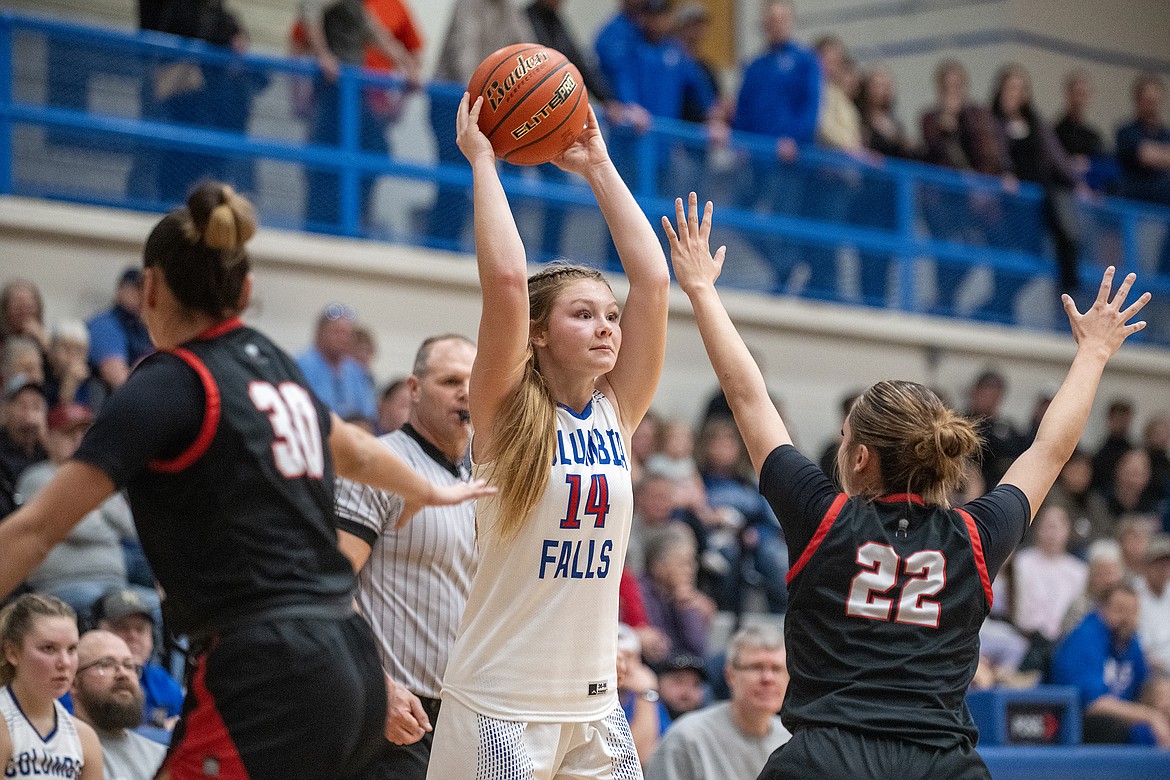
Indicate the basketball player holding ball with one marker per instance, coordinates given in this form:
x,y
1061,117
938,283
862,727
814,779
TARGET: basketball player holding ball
x,y
562,378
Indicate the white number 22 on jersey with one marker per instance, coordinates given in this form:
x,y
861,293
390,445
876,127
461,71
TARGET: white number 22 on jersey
x,y
297,447
927,575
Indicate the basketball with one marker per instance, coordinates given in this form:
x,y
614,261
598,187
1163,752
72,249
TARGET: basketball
x,y
534,102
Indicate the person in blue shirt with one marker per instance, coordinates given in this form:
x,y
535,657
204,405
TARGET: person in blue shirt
x,y
332,373
1102,659
1143,151
779,97
117,336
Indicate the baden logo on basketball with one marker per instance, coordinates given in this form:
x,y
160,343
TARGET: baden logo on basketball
x,y
498,90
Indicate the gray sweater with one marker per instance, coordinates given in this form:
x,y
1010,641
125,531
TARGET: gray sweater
x,y
92,551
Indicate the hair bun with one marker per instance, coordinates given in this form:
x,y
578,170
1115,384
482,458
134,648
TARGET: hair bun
x,y
224,219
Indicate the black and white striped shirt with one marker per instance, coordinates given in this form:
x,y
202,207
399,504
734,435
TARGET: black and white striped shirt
x,y
414,586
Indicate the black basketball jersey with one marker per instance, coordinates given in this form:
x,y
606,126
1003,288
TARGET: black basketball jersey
x,y
242,521
882,631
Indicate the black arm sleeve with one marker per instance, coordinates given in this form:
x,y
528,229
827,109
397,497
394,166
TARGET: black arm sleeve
x,y
1002,517
156,414
798,492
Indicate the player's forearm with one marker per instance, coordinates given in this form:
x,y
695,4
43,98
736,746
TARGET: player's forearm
x,y
635,240
1064,422
498,248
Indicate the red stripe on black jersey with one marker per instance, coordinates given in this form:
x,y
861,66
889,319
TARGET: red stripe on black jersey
x,y
211,411
819,536
980,562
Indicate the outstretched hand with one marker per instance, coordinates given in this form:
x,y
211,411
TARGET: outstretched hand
x,y
445,495
1106,324
690,248
471,140
588,150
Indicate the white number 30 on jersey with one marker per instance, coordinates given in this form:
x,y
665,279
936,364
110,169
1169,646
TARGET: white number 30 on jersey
x,y
926,572
297,447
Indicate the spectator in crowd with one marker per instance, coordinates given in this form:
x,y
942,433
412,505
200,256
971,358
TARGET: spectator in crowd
x,y
958,133
1117,442
839,120
414,579
338,33
68,375
1085,507
1002,443
883,134
675,453
1103,660
692,20
1143,145
962,135
644,444
364,350
760,556
881,130
1153,589
336,378
200,94
779,97
22,356
1080,139
476,29
398,20
38,639
655,500
1156,442
1134,533
670,592
732,738
22,436
657,75
1037,156
1106,569
632,612
106,694
682,684
638,695
614,45
781,91
90,560
117,336
1046,578
22,312
831,190
393,407
124,612
1131,481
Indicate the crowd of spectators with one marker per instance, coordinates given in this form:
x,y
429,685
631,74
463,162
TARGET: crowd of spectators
x,y
646,63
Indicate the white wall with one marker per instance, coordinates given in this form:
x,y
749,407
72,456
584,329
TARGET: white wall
x,y
813,354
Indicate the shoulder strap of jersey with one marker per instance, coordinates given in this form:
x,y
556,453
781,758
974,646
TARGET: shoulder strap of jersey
x,y
819,536
211,411
977,548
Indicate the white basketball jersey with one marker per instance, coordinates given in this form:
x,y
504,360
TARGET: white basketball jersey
x,y
57,755
538,638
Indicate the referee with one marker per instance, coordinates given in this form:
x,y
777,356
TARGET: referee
x,y
413,581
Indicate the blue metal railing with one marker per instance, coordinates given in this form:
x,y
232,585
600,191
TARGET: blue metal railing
x,y
81,119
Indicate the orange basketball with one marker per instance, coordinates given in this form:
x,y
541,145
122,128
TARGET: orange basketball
x,y
534,102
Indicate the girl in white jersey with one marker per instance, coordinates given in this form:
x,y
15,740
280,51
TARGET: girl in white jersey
x,y
38,658
561,380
